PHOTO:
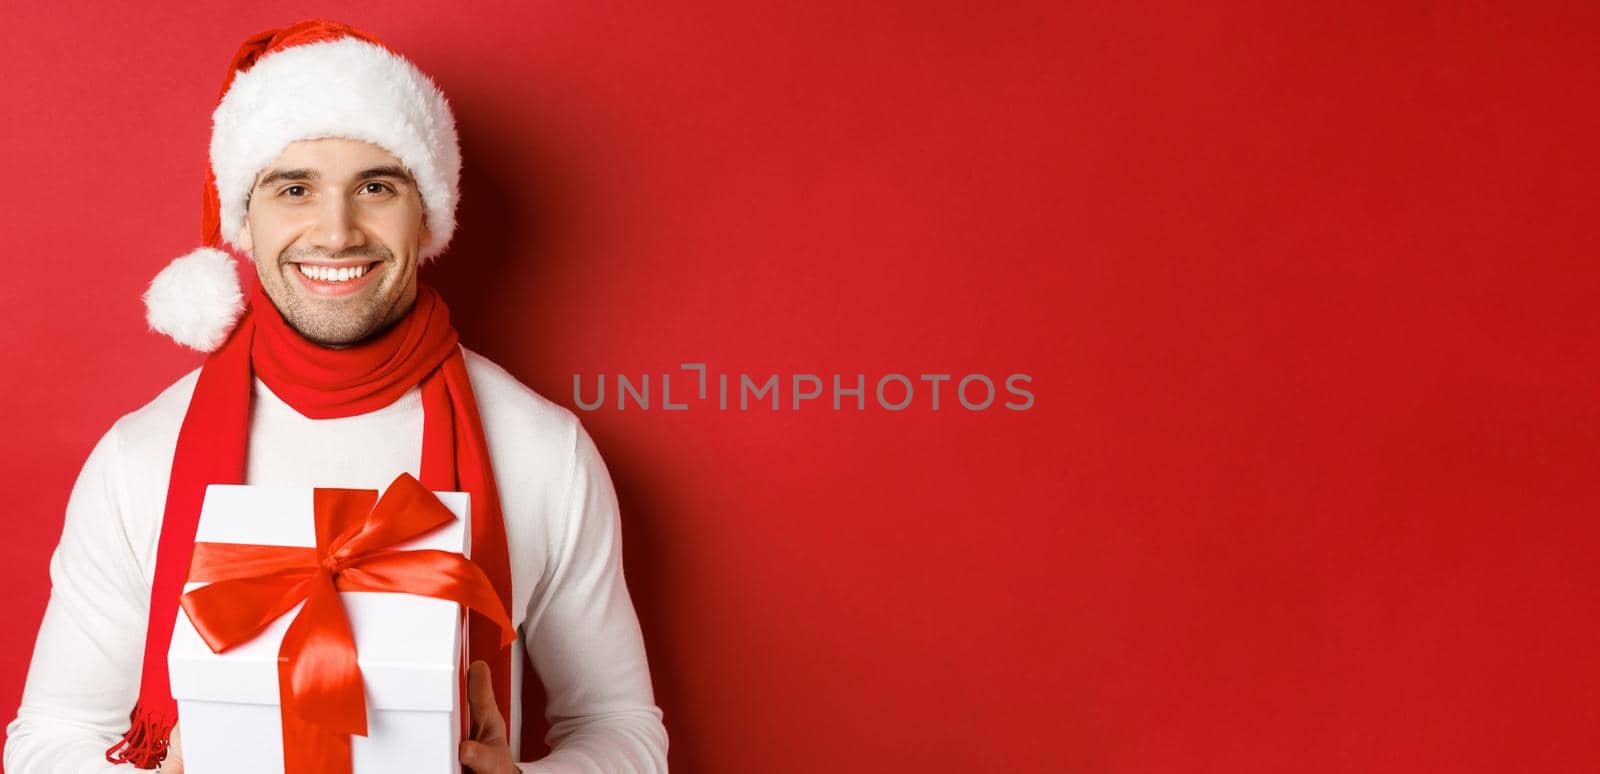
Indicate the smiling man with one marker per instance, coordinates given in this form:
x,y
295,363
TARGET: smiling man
x,y
334,167
327,211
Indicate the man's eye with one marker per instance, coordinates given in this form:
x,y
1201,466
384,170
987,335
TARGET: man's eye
x,y
294,190
381,187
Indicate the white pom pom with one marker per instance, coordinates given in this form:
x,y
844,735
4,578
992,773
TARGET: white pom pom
x,y
196,300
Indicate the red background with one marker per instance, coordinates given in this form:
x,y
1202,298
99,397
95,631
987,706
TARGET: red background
x,y
1309,299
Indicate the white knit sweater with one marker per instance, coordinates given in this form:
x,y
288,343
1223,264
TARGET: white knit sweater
x,y
569,599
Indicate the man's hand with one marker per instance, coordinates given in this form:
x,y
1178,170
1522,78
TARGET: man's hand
x,y
489,749
173,763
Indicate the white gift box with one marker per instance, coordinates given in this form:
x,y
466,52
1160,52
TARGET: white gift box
x,y
409,648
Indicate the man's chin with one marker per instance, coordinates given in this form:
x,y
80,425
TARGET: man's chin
x,y
332,336
332,322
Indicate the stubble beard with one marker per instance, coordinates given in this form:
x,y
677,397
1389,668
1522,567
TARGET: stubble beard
x,y
354,319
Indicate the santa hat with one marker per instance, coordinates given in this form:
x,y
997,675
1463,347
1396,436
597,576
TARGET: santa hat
x,y
314,78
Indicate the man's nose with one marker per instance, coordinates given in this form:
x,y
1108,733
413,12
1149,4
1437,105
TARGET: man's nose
x,y
338,227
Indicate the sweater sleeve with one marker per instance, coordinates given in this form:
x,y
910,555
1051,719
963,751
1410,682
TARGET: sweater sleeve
x,y
84,676
585,642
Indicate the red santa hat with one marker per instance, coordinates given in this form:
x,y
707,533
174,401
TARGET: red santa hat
x,y
314,78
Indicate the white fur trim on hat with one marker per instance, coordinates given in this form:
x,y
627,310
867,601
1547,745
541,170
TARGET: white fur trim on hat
x,y
196,300
337,88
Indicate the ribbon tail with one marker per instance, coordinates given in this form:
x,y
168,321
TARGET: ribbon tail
x,y
311,749
145,743
227,613
433,573
319,680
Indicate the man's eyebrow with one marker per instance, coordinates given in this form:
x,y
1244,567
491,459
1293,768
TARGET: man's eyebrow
x,y
385,170
286,174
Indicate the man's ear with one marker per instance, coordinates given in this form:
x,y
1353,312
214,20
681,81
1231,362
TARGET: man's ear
x,y
425,236
245,242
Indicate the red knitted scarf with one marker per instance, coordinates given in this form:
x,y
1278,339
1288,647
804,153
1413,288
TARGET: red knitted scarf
x,y
320,383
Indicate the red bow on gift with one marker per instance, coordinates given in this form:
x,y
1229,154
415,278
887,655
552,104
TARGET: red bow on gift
x,y
319,683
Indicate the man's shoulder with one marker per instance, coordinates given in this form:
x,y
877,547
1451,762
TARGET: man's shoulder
x,y
495,388
157,421
516,418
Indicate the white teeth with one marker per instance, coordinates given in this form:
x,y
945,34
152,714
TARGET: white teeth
x,y
328,274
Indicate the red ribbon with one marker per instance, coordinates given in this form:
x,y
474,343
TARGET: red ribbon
x,y
319,682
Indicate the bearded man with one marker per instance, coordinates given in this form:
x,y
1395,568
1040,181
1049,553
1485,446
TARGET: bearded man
x,y
335,167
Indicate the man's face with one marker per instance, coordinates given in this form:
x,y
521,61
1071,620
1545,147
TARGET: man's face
x,y
334,227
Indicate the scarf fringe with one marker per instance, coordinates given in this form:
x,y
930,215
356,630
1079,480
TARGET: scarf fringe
x,y
145,744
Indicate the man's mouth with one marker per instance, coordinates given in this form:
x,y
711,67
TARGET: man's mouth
x,y
341,273
335,279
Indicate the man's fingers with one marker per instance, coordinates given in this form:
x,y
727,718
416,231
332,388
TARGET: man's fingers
x,y
173,763
487,752
487,725
477,756
480,692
